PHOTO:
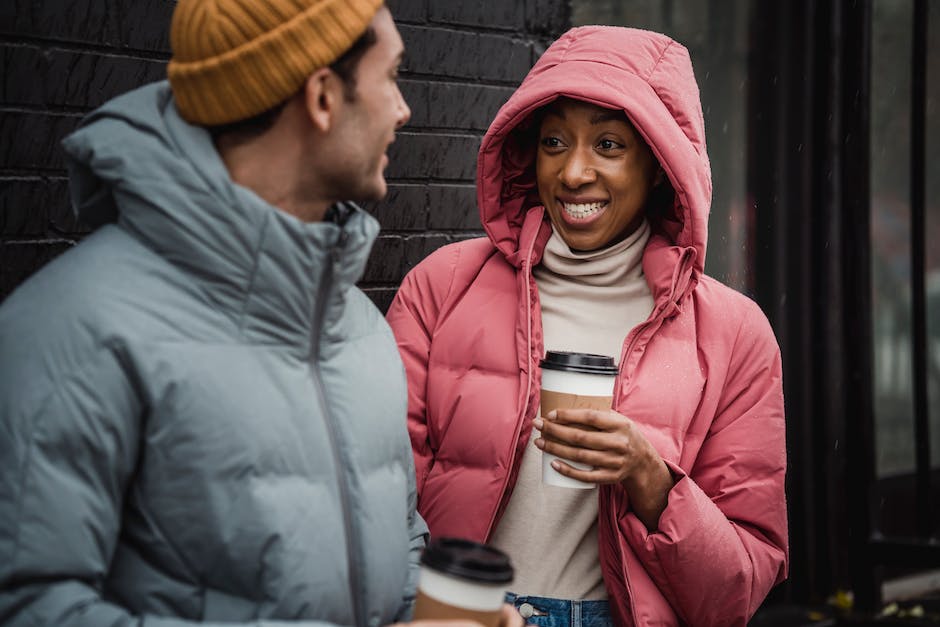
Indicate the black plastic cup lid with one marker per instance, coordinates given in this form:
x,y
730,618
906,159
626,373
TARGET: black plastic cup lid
x,y
468,560
587,363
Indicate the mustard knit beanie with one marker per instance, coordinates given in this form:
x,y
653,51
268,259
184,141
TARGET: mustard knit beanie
x,y
233,59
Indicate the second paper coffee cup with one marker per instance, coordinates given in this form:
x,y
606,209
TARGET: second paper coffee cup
x,y
574,381
462,579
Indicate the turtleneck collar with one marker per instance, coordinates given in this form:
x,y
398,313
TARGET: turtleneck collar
x,y
590,301
606,267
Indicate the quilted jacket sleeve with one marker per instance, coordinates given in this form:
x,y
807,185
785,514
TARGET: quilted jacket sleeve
x,y
68,448
418,536
413,315
722,540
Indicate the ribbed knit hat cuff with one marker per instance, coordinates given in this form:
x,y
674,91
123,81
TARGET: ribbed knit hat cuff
x,y
266,70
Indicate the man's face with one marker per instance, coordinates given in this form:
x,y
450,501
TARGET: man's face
x,y
367,123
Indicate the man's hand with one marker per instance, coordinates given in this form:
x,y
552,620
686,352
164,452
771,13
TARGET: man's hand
x,y
618,451
440,623
508,617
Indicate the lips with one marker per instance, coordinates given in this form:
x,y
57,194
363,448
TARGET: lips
x,y
579,211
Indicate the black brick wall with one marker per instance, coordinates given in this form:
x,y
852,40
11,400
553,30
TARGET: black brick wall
x,y
62,58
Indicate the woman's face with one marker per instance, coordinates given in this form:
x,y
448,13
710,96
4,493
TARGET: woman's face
x,y
594,173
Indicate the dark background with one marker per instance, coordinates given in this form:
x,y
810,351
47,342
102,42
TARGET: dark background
x,y
62,58
856,534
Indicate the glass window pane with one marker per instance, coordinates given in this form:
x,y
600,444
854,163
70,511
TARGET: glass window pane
x,y
715,32
932,206
892,22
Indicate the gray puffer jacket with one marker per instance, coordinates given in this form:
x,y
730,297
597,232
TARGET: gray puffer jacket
x,y
201,417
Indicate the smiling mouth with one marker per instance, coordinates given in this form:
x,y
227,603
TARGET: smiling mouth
x,y
580,211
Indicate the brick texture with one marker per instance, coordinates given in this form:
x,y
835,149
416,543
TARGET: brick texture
x,y
62,58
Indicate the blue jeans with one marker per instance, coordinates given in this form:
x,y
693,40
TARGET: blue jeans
x,y
545,612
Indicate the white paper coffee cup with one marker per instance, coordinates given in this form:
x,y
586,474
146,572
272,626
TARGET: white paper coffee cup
x,y
462,579
579,381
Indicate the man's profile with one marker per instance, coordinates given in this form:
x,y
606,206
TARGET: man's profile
x,y
201,416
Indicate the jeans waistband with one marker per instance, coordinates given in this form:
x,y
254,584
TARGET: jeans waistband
x,y
549,612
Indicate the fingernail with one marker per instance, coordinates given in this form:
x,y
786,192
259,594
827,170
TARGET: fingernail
x,y
537,423
551,415
556,464
539,442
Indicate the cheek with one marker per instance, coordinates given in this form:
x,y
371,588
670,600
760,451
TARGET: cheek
x,y
633,180
540,168
543,176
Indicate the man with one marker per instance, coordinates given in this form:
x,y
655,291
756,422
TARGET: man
x,y
201,417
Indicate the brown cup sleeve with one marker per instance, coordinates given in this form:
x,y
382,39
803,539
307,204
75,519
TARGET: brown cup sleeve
x,y
561,400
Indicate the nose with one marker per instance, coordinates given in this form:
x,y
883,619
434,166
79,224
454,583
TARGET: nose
x,y
404,111
576,170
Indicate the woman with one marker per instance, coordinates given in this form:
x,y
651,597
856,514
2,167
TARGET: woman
x,y
594,190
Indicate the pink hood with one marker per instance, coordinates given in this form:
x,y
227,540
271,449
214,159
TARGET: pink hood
x,y
646,74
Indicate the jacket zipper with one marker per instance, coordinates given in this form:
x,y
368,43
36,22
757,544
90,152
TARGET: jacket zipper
x,y
326,284
630,345
632,340
527,271
634,336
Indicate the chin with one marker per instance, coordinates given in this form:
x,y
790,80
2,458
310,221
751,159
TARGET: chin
x,y
378,186
371,192
378,192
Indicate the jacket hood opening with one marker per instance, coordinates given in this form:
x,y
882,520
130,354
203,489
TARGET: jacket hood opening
x,y
644,74
519,156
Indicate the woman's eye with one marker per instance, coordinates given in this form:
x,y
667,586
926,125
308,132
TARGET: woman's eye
x,y
608,144
551,142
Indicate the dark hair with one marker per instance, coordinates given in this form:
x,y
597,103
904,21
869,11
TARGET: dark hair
x,y
659,205
345,67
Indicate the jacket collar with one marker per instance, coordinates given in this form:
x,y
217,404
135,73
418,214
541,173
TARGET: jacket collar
x,y
136,162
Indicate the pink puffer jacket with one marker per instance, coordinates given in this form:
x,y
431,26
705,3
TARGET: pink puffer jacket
x,y
701,376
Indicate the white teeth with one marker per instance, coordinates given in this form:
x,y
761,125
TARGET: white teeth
x,y
582,210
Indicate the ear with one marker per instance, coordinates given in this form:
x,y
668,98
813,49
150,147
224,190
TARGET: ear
x,y
322,97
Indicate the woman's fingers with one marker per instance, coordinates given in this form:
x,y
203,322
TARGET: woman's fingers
x,y
594,440
603,439
601,419
587,434
601,457
598,475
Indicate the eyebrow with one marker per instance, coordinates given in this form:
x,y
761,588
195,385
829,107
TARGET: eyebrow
x,y
607,116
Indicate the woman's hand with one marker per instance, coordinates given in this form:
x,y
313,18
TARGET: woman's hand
x,y
619,453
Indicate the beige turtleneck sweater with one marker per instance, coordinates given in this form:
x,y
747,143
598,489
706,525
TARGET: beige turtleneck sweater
x,y
590,301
